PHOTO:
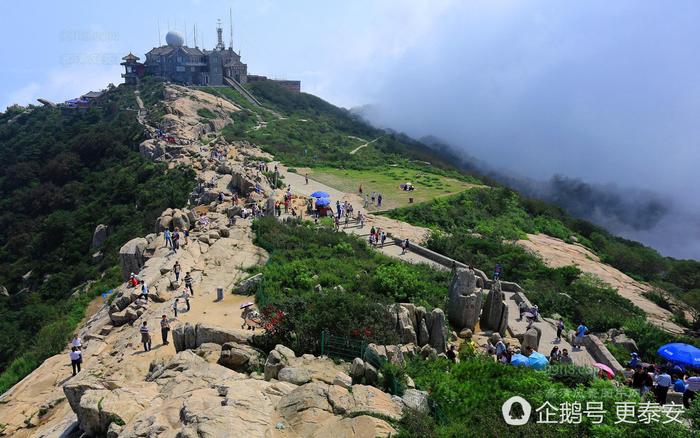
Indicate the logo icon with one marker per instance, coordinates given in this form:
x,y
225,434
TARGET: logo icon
x,y
514,416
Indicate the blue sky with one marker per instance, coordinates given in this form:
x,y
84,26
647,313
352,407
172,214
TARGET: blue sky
x,y
604,91
61,49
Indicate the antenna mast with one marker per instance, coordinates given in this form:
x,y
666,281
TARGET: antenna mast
x,y
194,31
230,22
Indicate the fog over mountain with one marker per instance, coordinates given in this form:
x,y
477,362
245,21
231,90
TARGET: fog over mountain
x,y
594,105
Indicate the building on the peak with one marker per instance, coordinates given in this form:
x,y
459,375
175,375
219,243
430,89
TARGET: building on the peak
x,y
185,65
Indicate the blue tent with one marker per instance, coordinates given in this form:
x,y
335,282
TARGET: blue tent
x,y
684,354
320,195
518,360
322,202
537,361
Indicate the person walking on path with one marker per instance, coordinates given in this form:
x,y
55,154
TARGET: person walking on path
x,y
168,239
188,283
379,200
164,329
145,337
497,272
186,297
176,270
383,238
663,383
404,246
560,328
186,233
306,179
76,358
175,303
144,290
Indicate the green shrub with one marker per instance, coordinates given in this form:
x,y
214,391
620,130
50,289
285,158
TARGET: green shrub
x,y
206,113
303,256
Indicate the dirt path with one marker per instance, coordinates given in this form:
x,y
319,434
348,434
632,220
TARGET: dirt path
x,y
354,151
557,253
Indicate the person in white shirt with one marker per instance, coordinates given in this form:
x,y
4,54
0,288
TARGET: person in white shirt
x,y
76,357
692,387
77,342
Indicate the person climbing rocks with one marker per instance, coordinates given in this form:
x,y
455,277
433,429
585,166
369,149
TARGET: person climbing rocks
x,y
144,290
186,233
560,328
76,358
175,304
581,331
133,280
176,239
145,337
164,329
168,239
176,270
188,283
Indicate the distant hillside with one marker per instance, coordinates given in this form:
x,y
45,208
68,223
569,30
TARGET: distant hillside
x,y
299,143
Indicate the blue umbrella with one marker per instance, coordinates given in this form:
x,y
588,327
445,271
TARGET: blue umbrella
x,y
320,195
537,361
322,202
681,353
518,360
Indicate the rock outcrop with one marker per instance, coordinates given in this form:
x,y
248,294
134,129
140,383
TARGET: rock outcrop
x,y
98,236
464,300
494,316
131,256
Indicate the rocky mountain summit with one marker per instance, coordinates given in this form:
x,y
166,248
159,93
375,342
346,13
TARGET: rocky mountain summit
x,y
210,380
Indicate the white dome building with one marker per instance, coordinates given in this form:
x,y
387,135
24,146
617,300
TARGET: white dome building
x,y
174,39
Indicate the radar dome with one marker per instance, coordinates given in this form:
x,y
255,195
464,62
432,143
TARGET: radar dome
x,y
174,39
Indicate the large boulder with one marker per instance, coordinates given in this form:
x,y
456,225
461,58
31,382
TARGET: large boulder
x,y
404,325
416,400
99,408
247,286
357,369
180,220
295,375
625,342
131,256
464,300
531,339
438,336
187,336
495,314
423,333
240,357
601,354
279,358
98,236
